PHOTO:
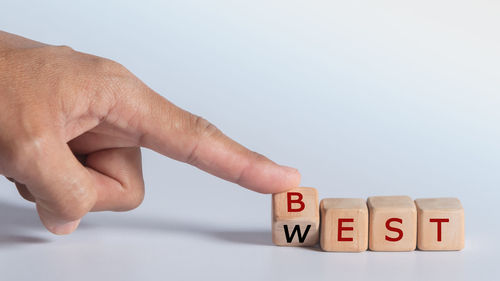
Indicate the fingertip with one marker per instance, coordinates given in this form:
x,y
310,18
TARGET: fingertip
x,y
293,173
55,225
293,177
274,179
290,180
62,228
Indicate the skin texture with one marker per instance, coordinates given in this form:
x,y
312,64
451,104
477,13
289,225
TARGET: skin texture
x,y
71,128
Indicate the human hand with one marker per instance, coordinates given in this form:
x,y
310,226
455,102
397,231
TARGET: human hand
x,y
71,128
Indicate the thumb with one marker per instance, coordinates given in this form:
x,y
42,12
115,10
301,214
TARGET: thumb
x,y
63,188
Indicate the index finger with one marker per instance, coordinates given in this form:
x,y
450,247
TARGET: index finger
x,y
180,135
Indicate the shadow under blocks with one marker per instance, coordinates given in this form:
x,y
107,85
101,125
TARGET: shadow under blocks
x,y
381,223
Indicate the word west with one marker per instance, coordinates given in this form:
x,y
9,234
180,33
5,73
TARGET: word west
x,y
382,223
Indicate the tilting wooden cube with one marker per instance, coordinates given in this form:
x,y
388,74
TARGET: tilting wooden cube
x,y
393,223
440,224
344,225
295,217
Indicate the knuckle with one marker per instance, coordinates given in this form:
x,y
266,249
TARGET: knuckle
x,y
257,156
204,128
135,202
64,49
57,49
108,66
111,78
136,196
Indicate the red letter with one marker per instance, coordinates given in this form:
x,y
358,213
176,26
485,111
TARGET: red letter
x,y
439,221
389,227
342,228
298,201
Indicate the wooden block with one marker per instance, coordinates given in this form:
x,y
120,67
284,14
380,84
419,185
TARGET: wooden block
x,y
440,224
344,225
295,217
393,223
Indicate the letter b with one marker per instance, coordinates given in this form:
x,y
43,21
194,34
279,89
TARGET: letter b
x,y
297,200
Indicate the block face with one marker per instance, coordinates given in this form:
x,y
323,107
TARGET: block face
x,y
295,217
344,225
441,224
393,223
308,195
295,232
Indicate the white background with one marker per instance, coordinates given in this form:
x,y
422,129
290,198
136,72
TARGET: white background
x,y
365,98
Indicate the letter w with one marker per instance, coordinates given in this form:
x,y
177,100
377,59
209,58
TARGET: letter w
x,y
289,238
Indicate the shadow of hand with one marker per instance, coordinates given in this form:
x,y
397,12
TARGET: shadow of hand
x,y
17,220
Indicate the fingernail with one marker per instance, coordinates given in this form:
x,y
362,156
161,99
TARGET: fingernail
x,y
293,175
64,228
290,170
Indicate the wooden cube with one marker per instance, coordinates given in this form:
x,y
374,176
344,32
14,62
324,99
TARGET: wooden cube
x,y
440,224
344,225
295,217
393,223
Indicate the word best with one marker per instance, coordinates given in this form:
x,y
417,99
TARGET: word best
x,y
381,223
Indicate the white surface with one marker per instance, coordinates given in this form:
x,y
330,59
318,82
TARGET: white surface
x,y
365,99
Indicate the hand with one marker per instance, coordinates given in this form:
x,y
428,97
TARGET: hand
x,y
71,128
